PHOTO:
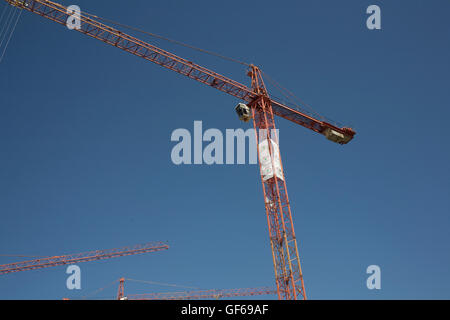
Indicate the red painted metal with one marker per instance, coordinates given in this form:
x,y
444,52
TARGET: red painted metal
x,y
121,290
288,274
95,29
82,257
202,294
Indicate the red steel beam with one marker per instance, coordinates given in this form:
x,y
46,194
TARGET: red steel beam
x,y
202,294
82,257
283,242
95,29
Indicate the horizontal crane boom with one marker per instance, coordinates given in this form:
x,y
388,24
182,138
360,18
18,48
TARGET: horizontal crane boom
x,y
203,294
81,257
95,29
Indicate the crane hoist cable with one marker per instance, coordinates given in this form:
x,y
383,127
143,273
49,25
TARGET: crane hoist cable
x,y
167,39
97,291
93,293
285,92
161,284
11,32
3,12
7,23
295,101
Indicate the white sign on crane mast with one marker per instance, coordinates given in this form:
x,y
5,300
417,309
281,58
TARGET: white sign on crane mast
x,y
265,158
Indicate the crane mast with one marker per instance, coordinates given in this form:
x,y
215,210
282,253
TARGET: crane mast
x,y
288,272
286,261
121,290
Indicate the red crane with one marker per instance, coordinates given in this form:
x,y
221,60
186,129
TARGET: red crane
x,y
194,294
259,107
82,257
202,294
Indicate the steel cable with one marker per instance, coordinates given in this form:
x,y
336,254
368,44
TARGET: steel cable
x,y
10,35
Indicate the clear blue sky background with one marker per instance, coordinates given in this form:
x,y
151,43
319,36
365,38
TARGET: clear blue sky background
x,y
85,149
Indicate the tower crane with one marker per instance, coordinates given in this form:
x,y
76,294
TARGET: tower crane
x,y
257,106
82,257
194,294
203,294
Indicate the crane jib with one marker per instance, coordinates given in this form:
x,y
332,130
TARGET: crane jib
x,y
261,108
93,28
54,261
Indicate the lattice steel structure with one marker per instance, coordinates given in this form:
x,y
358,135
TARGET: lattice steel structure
x,y
203,294
82,257
288,274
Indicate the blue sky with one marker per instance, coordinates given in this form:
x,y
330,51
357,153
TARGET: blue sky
x,y
85,149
